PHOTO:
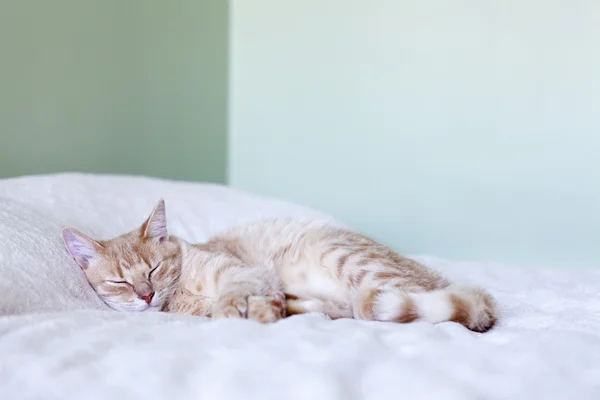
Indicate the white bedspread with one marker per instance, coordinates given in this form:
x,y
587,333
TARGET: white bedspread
x,y
546,346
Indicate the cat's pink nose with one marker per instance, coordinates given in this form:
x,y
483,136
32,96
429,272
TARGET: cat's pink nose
x,y
147,297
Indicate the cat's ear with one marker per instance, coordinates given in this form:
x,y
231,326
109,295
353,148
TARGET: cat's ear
x,y
155,226
81,247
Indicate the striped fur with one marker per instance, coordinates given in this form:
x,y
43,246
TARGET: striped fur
x,y
244,273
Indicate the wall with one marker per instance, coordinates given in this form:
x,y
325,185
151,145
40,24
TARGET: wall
x,y
113,86
464,129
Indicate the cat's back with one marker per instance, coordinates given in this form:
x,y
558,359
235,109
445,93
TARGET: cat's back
x,y
278,230
263,240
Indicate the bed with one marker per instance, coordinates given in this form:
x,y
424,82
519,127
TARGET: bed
x,y
59,341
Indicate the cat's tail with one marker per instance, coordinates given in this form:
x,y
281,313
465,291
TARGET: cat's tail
x,y
469,306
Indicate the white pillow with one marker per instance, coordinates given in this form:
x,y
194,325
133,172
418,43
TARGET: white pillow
x,y
37,275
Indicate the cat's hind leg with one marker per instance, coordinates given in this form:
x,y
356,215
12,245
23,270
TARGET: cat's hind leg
x,y
385,286
330,308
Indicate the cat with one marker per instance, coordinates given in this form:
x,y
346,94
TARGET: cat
x,y
269,269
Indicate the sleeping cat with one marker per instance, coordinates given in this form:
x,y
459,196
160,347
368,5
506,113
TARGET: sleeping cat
x,y
266,269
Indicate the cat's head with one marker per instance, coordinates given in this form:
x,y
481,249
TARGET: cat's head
x,y
134,271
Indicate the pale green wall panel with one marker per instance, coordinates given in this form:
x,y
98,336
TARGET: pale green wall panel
x,y
468,130
119,86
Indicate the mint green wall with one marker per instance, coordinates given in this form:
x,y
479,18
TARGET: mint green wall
x,y
468,130
120,86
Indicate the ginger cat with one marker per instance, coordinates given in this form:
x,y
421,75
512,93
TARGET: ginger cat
x,y
266,269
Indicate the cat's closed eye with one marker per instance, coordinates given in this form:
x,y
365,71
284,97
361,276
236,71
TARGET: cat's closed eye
x,y
116,282
154,269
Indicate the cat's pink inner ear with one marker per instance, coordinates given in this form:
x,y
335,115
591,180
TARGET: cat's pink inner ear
x,y
81,247
155,226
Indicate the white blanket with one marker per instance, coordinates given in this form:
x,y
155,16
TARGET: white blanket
x,y
60,341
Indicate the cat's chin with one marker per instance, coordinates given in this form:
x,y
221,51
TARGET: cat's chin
x,y
152,309
133,308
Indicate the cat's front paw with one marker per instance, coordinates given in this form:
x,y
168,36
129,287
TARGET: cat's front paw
x,y
266,309
231,306
183,302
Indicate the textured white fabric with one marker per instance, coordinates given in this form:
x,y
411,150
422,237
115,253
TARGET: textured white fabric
x,y
547,344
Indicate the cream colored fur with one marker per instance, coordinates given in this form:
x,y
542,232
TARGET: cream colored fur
x,y
263,269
